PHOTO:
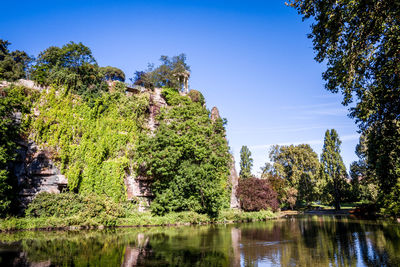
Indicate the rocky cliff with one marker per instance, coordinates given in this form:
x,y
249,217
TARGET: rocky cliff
x,y
36,171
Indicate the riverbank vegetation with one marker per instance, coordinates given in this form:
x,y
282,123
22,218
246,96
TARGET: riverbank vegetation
x,y
71,211
98,135
301,181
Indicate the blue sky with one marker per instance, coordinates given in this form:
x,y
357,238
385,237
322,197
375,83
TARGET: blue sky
x,y
251,59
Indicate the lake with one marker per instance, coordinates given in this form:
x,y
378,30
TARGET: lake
x,y
305,240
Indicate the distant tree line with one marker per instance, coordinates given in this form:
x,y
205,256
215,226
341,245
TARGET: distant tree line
x,y
298,178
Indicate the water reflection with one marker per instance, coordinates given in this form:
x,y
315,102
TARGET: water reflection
x,y
297,241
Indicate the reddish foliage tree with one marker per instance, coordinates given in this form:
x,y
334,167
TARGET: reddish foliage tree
x,y
256,194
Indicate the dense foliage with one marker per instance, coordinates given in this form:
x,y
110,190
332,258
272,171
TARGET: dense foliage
x,y
15,103
246,162
93,141
298,166
363,181
197,96
333,170
256,194
13,64
70,204
188,158
112,74
165,75
359,41
74,67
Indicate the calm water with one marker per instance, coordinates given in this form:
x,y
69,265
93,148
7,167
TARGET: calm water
x,y
296,241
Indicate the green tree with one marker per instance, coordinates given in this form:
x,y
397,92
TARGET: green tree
x,y
363,180
246,162
72,66
165,75
187,158
13,65
298,165
359,41
333,169
112,73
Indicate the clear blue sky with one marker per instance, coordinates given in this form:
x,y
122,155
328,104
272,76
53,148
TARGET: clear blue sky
x,y
251,59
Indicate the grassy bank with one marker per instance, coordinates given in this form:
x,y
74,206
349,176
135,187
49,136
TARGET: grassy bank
x,y
133,220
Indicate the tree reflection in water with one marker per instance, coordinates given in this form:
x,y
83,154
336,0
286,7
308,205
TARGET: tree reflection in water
x,y
296,241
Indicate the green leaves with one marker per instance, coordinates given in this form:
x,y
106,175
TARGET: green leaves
x,y
333,169
359,41
299,166
187,158
74,67
95,141
13,65
246,162
13,100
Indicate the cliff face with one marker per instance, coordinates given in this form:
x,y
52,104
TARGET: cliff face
x,y
233,177
36,171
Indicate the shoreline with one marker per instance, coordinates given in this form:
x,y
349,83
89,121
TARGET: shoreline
x,y
11,225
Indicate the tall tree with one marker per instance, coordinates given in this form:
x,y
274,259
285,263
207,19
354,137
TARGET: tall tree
x,y
333,169
188,158
359,41
363,180
298,165
72,66
13,64
112,74
165,75
246,162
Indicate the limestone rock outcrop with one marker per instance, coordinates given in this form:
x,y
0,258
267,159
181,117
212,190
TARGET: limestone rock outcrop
x,y
215,114
233,176
36,172
156,103
234,179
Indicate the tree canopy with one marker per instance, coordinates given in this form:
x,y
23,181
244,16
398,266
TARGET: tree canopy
x,y
359,41
13,64
298,165
72,66
165,75
333,169
246,162
188,158
112,74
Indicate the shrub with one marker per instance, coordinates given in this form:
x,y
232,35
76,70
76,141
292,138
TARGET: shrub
x,y
196,96
70,204
256,194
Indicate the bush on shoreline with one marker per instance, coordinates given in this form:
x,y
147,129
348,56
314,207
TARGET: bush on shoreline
x,y
134,219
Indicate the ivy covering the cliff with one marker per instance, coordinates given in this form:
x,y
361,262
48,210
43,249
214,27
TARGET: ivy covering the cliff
x,y
187,157
15,105
93,141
